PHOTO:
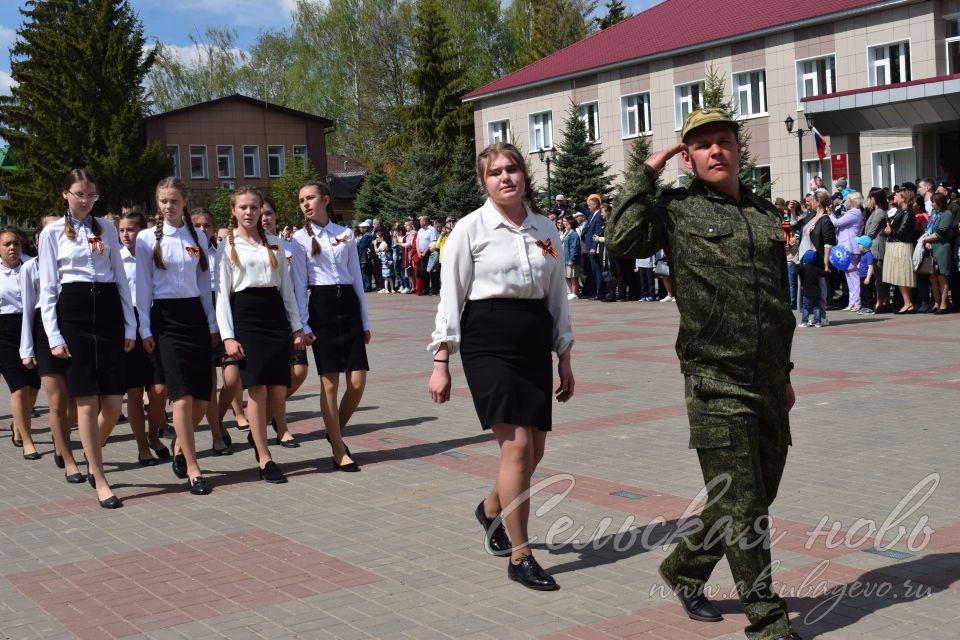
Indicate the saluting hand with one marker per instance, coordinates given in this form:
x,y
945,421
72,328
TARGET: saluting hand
x,y
657,161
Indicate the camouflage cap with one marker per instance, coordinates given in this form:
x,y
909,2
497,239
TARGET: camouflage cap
x,y
705,116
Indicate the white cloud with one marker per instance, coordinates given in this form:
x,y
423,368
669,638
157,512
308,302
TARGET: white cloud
x,y
246,13
6,83
7,38
190,55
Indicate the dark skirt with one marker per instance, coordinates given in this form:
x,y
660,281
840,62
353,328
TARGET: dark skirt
x,y
90,317
138,363
338,327
11,366
182,352
47,363
261,328
506,354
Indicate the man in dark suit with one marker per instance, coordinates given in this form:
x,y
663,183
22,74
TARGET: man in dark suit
x,y
595,228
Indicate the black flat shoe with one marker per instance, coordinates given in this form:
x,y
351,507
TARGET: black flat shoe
x,y
121,419
271,473
148,462
345,447
222,452
58,460
199,486
162,452
350,467
696,606
273,423
92,480
180,466
17,443
531,575
289,444
113,502
495,539
32,456
227,440
256,454
74,478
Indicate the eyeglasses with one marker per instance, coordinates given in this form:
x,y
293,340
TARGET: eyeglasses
x,y
202,225
92,197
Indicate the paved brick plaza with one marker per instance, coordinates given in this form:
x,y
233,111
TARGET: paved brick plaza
x,y
394,552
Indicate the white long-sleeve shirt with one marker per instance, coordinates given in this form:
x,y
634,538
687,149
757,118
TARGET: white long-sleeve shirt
x,y
487,257
62,261
30,296
337,263
253,271
183,277
296,263
130,270
11,300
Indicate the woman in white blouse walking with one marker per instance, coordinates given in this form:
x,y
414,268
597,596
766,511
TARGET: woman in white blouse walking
x,y
503,305
256,311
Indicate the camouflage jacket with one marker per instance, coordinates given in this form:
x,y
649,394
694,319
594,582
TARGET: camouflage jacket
x,y
728,273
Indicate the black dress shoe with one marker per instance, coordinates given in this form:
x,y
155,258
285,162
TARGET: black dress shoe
x,y
113,502
74,478
147,462
58,460
226,451
180,466
345,447
227,440
495,538
199,486
256,454
92,480
32,456
531,575
273,423
350,467
290,444
121,419
271,473
162,452
696,606
13,438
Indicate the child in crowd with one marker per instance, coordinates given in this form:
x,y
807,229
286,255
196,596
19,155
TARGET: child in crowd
x,y
644,268
810,274
385,253
866,276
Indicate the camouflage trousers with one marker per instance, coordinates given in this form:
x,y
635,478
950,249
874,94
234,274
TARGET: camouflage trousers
x,y
741,435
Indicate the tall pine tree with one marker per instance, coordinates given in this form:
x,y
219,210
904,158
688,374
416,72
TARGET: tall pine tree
x,y
579,169
461,193
616,12
416,186
631,176
373,197
79,101
285,190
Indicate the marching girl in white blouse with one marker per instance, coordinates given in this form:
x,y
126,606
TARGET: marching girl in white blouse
x,y
256,312
22,382
503,305
337,314
296,268
177,321
35,353
87,312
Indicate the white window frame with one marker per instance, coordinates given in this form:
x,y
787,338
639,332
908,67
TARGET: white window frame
x,y
203,158
954,18
738,89
256,160
802,77
631,115
584,112
893,181
544,128
282,160
873,64
680,100
228,184
173,152
499,131
301,151
825,173
226,151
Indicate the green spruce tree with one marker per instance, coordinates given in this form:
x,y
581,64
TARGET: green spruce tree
x,y
416,186
79,102
634,169
373,197
285,190
460,193
579,169
616,12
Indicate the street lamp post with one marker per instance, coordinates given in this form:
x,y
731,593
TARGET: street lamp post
x,y
548,158
800,132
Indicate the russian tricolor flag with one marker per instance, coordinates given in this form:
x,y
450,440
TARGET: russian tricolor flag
x,y
821,143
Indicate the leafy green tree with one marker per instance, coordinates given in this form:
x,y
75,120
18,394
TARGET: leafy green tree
x,y
79,102
557,24
219,205
579,169
285,189
616,12
461,193
416,186
373,197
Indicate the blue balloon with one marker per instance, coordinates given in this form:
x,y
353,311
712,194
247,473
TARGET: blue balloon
x,y
840,257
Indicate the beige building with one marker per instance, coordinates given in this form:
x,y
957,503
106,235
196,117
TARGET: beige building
x,y
882,80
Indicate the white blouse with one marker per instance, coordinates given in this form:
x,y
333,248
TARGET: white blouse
x,y
296,263
30,293
61,260
253,271
487,257
183,278
10,298
130,270
337,263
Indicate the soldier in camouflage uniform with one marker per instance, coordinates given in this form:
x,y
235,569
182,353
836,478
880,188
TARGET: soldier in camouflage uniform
x,y
736,327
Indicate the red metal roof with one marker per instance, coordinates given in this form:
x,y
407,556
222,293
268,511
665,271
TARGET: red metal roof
x,y
669,26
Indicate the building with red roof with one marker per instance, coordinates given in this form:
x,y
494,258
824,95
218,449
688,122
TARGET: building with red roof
x,y
878,77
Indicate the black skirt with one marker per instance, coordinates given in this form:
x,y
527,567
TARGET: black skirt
x,y
47,363
506,354
11,366
138,363
260,326
338,327
182,351
91,322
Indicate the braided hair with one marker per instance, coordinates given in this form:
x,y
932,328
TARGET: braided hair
x,y
177,184
324,190
243,191
72,178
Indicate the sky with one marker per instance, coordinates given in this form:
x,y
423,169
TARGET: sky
x,y
173,21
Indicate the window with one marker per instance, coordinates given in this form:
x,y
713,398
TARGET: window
x,y
813,168
953,44
762,179
173,153
635,114
541,131
275,160
198,161
228,184
889,64
251,161
224,161
590,114
750,93
300,152
686,97
894,167
815,78
498,131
